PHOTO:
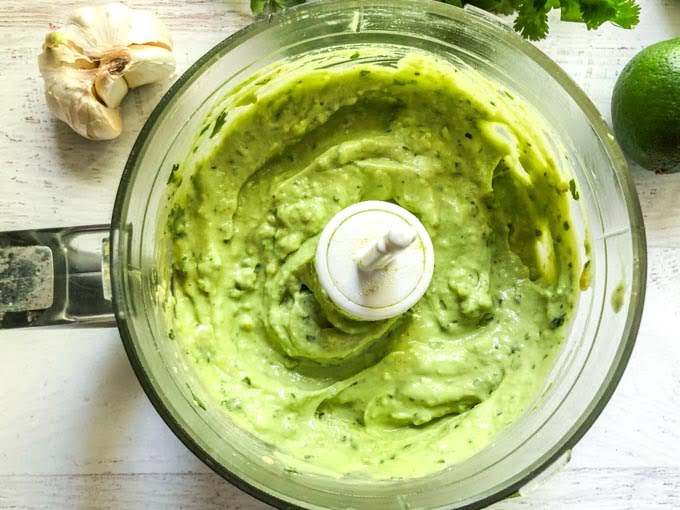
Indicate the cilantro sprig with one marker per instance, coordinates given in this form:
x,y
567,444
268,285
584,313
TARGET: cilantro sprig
x,y
532,15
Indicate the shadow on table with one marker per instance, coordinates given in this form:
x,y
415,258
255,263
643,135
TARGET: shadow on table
x,y
100,161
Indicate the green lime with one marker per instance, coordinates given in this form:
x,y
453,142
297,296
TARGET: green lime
x,y
646,107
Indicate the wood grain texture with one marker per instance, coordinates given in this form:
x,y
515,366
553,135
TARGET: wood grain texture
x,y
614,489
76,430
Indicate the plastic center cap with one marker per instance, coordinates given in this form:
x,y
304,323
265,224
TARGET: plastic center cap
x,y
399,254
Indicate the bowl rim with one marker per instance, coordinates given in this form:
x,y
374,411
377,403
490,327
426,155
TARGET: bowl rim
x,y
632,204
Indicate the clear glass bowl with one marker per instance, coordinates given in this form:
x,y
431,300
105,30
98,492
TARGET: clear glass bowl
x,y
607,214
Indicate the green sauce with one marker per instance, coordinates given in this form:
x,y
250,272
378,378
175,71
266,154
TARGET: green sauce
x,y
401,397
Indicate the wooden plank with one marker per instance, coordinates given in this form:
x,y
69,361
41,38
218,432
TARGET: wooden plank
x,y
604,489
186,491
571,489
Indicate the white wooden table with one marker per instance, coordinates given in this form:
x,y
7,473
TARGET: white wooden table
x,y
76,430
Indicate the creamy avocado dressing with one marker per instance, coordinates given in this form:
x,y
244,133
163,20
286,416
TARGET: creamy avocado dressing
x,y
401,397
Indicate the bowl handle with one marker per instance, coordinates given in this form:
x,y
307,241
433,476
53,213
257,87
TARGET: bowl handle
x,y
55,276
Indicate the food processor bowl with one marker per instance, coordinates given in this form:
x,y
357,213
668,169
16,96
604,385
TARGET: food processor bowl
x,y
606,217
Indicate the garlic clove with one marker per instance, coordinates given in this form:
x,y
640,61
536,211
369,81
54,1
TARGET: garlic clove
x,y
102,127
149,29
115,25
110,88
148,64
71,98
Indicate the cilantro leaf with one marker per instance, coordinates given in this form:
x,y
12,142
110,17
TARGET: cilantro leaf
x,y
627,14
570,11
623,13
532,20
258,6
596,12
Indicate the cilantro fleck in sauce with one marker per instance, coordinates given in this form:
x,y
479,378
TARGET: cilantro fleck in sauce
x,y
402,397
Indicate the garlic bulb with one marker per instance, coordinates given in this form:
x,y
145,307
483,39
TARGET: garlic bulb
x,y
89,65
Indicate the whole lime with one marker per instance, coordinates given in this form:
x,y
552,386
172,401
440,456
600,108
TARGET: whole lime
x,y
646,107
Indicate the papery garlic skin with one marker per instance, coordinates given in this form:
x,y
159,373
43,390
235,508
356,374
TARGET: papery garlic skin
x,y
89,65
